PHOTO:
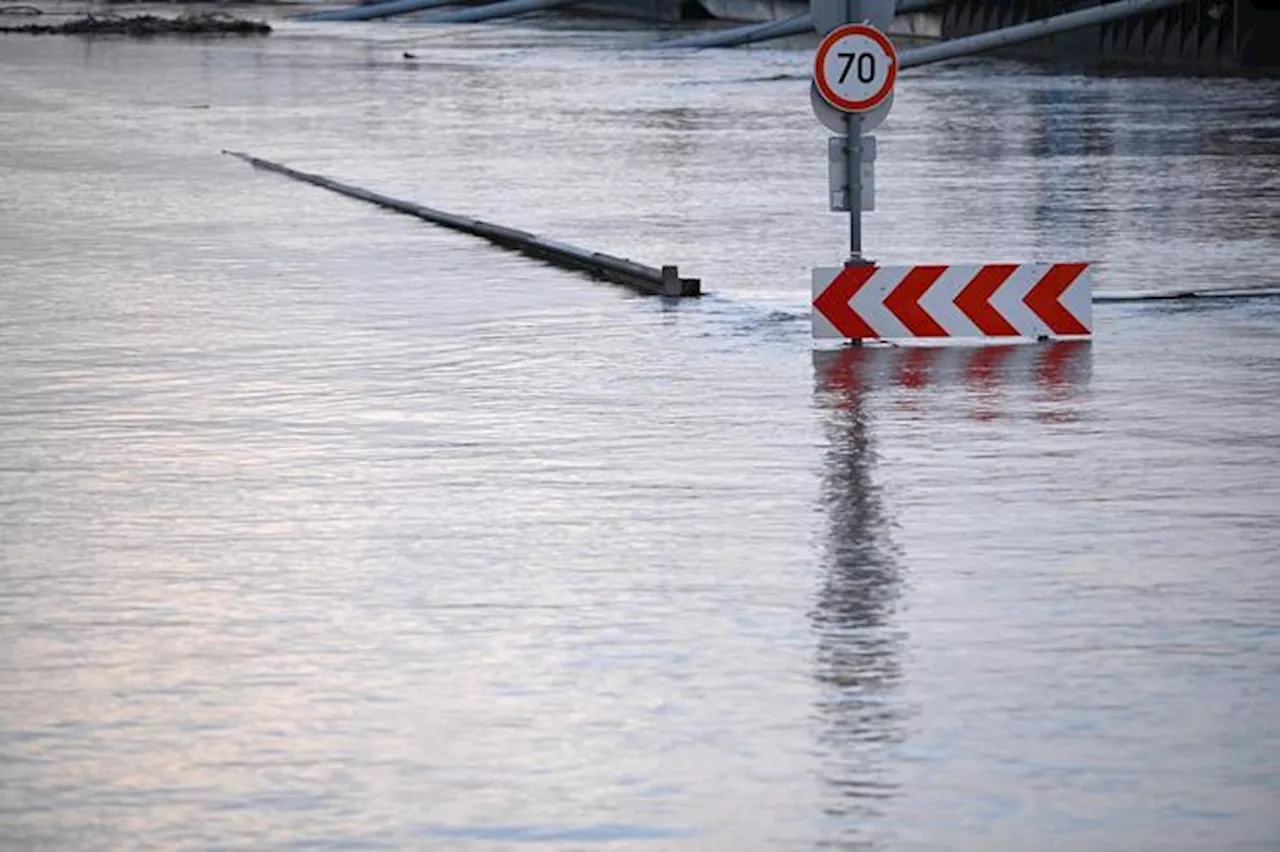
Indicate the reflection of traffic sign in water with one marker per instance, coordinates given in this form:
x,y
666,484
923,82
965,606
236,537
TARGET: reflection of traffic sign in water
x,y
855,67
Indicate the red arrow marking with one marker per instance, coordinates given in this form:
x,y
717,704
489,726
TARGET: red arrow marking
x,y
974,301
904,301
1043,298
833,302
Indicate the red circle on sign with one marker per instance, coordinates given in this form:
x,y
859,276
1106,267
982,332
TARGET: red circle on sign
x,y
820,75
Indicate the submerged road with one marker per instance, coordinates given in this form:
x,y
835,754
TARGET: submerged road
x,y
324,527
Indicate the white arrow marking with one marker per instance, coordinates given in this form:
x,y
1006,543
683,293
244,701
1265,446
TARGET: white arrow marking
x,y
940,301
1078,298
869,301
1008,299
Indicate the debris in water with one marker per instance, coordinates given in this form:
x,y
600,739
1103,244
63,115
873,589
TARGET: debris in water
x,y
143,26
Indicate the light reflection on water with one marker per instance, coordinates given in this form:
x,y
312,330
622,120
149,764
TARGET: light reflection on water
x,y
320,526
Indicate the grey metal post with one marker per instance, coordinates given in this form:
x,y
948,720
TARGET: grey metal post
x,y
853,186
853,161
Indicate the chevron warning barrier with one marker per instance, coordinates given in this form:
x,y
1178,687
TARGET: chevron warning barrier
x,y
992,300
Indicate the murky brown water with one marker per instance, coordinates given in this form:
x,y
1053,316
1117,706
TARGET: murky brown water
x,y
321,527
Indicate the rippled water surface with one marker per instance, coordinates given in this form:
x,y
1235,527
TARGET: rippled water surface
x,y
323,527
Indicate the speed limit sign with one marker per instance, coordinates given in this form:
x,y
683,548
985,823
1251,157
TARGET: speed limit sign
x,y
855,67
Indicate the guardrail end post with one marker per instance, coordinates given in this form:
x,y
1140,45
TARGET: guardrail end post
x,y
671,284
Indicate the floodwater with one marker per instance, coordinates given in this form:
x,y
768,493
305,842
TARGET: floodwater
x,y
321,527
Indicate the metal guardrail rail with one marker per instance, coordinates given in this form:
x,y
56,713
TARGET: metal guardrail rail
x,y
769,30
1030,31
468,14
501,9
644,279
373,11
951,49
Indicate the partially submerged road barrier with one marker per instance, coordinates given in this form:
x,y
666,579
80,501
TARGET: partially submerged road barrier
x,y
469,14
951,49
501,9
1030,31
644,279
370,11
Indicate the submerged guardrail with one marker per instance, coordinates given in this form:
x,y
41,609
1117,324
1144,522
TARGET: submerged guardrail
x,y
950,49
651,281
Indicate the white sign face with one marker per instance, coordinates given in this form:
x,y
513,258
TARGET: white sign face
x,y
838,122
855,68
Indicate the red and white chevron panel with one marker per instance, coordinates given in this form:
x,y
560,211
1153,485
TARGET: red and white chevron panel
x,y
995,300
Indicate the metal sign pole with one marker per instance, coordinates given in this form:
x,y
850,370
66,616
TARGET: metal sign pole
x,y
853,186
853,161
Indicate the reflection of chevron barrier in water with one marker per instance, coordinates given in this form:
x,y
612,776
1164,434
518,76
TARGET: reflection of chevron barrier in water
x,y
995,300
1058,371
858,669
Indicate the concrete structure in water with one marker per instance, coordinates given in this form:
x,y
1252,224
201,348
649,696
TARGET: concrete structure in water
x,y
1199,36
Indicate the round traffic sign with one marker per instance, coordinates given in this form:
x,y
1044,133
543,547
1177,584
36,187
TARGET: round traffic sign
x,y
855,67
